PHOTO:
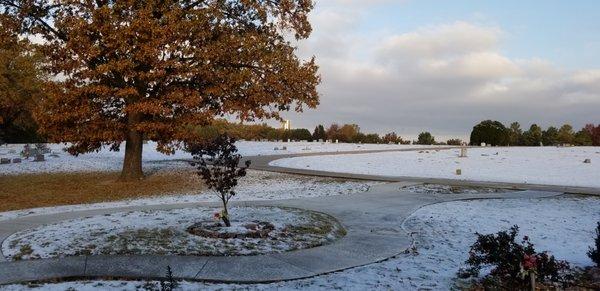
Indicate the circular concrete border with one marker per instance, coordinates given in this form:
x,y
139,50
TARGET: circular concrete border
x,y
336,232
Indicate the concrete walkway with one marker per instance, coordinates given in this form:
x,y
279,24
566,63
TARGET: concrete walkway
x,y
373,221
262,163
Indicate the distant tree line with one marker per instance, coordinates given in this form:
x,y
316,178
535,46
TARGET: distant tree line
x,y
351,133
252,131
496,134
347,133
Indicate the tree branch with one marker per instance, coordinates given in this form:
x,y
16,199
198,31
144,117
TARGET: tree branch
x,y
38,19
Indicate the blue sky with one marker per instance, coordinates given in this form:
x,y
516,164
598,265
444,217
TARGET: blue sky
x,y
567,32
409,66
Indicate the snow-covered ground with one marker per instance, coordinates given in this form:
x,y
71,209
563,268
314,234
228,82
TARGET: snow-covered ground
x,y
257,185
165,232
563,226
448,189
536,165
106,160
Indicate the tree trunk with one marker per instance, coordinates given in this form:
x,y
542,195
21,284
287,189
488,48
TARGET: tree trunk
x,y
532,280
226,221
132,164
225,215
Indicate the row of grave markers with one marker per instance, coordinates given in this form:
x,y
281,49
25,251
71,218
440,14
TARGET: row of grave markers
x,y
37,158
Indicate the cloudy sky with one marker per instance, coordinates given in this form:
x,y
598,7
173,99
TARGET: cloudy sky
x,y
442,66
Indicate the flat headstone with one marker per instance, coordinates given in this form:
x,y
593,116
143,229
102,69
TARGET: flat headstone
x,y
587,161
39,158
16,160
4,161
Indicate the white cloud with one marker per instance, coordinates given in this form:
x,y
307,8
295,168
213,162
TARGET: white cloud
x,y
587,77
447,39
443,78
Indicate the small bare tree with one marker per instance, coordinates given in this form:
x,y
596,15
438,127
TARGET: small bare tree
x,y
218,164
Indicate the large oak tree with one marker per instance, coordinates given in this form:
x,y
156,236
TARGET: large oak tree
x,y
155,70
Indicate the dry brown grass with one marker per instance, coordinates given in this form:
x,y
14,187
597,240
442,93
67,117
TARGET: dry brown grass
x,y
52,189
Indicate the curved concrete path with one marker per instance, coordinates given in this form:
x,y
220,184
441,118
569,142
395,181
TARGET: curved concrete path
x,y
373,221
262,163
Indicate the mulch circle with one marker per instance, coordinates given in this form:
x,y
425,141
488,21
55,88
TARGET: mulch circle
x,y
211,229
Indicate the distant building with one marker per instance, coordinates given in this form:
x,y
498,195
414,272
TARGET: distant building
x,y
286,125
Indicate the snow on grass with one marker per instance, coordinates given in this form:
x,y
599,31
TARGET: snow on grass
x,y
536,165
257,185
563,226
164,232
106,160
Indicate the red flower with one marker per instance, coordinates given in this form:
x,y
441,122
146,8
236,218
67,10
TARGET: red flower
x,y
529,262
217,215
